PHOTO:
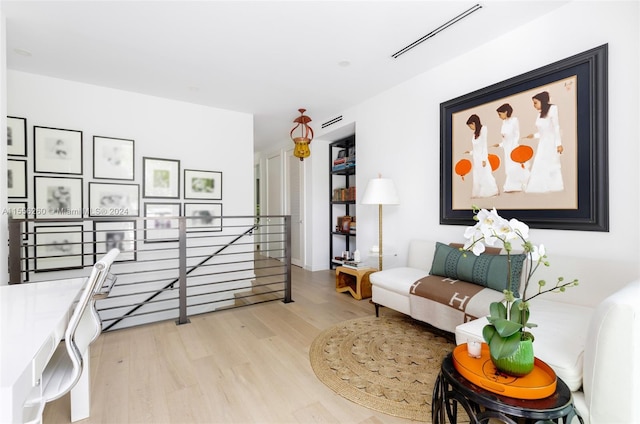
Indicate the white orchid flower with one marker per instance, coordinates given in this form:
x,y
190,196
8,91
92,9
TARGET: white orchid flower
x,y
537,253
520,228
478,248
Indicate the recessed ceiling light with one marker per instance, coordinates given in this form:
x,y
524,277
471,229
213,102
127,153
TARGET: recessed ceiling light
x,y
22,52
344,63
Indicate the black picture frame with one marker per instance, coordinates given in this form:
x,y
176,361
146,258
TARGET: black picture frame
x,y
113,158
59,247
159,226
585,77
118,234
18,210
114,199
161,178
57,150
16,136
202,185
16,179
58,197
206,216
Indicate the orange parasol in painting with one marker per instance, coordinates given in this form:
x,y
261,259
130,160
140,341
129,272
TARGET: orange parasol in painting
x,y
463,167
521,154
494,161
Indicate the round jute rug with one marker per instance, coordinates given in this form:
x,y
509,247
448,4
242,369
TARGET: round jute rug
x,y
388,364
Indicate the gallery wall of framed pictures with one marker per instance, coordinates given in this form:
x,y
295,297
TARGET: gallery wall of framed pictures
x,y
49,179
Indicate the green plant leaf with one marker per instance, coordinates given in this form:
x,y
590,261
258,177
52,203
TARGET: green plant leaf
x,y
488,332
501,347
506,328
497,310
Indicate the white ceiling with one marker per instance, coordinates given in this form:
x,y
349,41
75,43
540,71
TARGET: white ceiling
x,y
267,58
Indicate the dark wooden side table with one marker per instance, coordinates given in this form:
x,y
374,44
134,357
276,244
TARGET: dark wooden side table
x,y
452,389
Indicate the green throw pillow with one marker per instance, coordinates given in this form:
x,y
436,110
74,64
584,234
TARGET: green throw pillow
x,y
486,270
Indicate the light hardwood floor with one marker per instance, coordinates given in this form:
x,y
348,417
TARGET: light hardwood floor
x,y
246,365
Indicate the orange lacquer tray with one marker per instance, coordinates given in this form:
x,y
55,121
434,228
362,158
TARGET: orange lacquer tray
x,y
538,384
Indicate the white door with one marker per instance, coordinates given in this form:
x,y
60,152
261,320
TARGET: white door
x,y
274,205
295,196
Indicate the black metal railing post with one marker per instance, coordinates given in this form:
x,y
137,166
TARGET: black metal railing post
x,y
15,244
287,259
182,271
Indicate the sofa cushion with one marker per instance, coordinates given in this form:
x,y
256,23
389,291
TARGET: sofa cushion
x,y
398,280
487,270
559,337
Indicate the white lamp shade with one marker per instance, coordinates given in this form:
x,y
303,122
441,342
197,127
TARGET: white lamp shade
x,y
380,191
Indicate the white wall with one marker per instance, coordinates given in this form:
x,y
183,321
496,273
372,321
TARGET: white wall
x,y
398,131
4,250
202,138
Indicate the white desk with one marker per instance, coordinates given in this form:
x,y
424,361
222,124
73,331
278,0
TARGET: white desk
x,y
33,319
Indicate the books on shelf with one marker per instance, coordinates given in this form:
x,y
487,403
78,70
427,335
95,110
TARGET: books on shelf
x,y
355,265
344,194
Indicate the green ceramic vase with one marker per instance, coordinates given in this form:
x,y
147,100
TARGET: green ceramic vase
x,y
519,363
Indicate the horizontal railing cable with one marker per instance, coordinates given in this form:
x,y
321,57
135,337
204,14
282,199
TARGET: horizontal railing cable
x,y
181,267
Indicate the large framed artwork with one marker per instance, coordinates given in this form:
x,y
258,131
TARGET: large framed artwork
x,y
16,178
204,215
203,185
161,178
58,247
114,199
58,197
159,226
534,147
16,136
57,150
113,158
115,234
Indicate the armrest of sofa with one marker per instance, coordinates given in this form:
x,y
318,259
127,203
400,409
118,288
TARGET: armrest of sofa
x,y
611,356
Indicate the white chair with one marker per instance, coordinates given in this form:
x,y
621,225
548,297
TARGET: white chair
x,y
65,367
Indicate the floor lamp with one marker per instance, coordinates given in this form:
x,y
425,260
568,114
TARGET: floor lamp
x,y
380,191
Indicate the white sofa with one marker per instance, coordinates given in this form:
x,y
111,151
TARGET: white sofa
x,y
393,288
591,343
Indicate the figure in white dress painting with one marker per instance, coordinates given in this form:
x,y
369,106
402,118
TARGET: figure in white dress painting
x,y
516,174
546,171
484,184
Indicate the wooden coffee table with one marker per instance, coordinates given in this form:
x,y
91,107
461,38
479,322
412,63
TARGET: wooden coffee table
x,y
355,281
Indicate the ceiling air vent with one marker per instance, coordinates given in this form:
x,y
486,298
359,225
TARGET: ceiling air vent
x,y
332,121
437,30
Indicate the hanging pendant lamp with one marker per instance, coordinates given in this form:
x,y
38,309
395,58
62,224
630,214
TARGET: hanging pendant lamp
x,y
306,135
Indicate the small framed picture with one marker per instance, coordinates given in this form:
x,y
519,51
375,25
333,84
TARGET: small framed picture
x,y
17,210
113,158
57,150
161,225
161,178
345,224
115,234
58,197
58,247
204,215
204,185
114,199
16,178
16,136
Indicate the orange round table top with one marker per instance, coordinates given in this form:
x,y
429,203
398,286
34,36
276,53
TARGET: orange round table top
x,y
538,384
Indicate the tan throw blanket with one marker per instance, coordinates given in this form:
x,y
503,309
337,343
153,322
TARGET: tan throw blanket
x,y
446,291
